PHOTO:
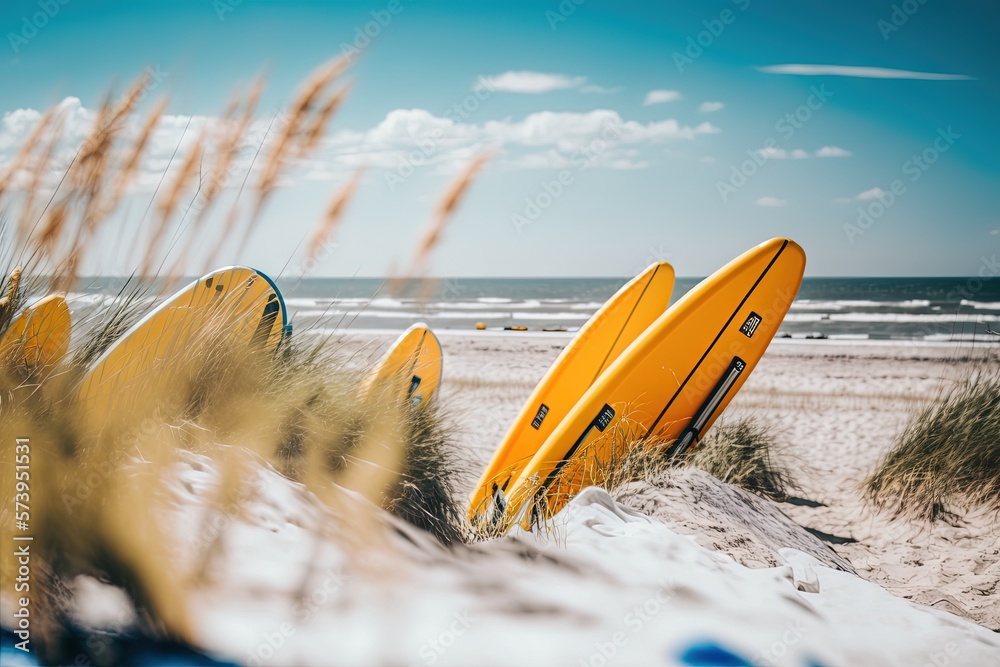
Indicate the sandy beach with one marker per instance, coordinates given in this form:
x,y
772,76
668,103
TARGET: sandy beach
x,y
680,569
685,570
837,408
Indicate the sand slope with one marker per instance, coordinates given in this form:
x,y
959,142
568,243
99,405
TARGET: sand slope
x,y
838,408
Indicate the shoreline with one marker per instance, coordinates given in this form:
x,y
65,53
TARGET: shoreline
x,y
990,343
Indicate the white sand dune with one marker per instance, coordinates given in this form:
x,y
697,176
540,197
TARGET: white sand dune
x,y
605,585
686,570
837,408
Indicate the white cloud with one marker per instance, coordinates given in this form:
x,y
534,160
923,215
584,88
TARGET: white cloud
x,y
405,126
550,159
706,128
542,140
772,153
994,232
627,164
771,201
173,133
776,153
710,107
707,159
863,72
870,194
529,82
782,154
410,138
570,129
661,96
832,151
539,82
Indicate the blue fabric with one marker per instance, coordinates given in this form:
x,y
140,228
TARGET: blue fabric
x,y
709,654
13,657
138,652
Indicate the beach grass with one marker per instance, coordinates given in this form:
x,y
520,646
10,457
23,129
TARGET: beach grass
x,y
947,458
738,451
741,452
100,500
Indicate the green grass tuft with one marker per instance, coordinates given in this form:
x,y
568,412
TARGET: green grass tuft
x,y
948,456
740,453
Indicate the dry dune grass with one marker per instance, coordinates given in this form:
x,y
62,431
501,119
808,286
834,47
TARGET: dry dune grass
x,y
98,502
948,456
738,451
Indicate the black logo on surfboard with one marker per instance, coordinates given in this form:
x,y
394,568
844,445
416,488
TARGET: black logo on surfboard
x,y
604,417
543,410
750,326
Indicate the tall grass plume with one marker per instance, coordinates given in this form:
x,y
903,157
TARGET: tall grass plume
x,y
102,496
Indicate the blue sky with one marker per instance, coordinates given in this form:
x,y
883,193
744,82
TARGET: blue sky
x,y
684,131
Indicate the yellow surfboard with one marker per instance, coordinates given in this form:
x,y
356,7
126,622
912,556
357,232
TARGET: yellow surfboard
x,y
411,369
235,305
38,338
673,380
598,343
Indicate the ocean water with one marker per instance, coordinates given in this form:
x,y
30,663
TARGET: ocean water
x,y
936,309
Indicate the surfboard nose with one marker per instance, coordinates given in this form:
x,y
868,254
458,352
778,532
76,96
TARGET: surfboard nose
x,y
794,249
786,246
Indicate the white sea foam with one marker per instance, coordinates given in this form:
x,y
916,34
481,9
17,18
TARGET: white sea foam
x,y
898,318
848,304
442,315
982,305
